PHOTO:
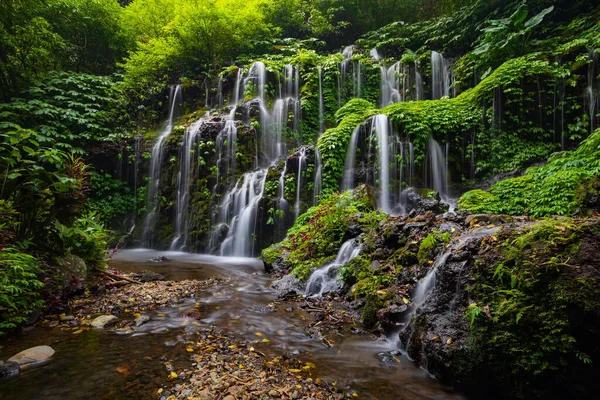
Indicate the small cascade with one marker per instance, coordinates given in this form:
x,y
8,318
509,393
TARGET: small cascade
x,y
137,152
239,210
374,54
226,149
237,89
358,79
284,206
318,177
183,183
257,75
438,168
301,164
152,203
381,128
591,97
426,285
440,76
220,92
420,91
349,175
347,53
325,279
390,84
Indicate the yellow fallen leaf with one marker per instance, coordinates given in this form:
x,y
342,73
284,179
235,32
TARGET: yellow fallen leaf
x,y
137,315
241,366
265,340
295,370
449,341
405,300
310,365
258,334
381,292
354,395
190,350
77,332
159,391
172,375
160,315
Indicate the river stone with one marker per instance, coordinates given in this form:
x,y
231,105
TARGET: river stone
x,y
478,217
9,368
104,321
141,320
148,276
192,313
32,356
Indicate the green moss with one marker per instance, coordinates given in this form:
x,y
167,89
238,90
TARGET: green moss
x,y
535,293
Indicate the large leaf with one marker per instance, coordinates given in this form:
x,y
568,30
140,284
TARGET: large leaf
x,y
537,19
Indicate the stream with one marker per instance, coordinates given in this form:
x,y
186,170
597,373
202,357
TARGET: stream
x,y
128,364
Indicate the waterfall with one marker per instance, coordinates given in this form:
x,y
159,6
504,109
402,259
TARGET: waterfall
x,y
591,98
438,169
419,95
426,285
321,106
238,87
301,162
183,183
152,202
358,79
347,53
226,148
325,279
440,76
374,54
390,84
381,128
240,208
283,203
220,92
257,75
318,177
348,182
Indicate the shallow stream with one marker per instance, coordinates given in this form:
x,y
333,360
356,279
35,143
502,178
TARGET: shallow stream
x,y
128,364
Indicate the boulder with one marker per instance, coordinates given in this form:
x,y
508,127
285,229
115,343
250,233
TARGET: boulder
x,y
192,313
32,356
141,320
419,201
69,268
104,321
9,368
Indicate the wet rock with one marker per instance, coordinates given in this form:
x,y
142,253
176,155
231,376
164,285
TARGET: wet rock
x,y
9,368
391,316
141,320
104,320
419,201
148,276
32,356
375,266
287,285
67,318
192,313
69,268
158,259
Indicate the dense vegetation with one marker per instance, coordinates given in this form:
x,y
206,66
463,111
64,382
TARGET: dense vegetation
x,y
84,85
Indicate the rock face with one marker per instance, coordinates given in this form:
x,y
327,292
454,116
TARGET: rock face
x,y
32,356
419,201
9,368
104,321
69,268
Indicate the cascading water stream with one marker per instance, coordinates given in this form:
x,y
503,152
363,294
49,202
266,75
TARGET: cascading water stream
x,y
438,169
318,165
183,183
240,209
349,176
175,105
301,162
325,279
381,128
440,76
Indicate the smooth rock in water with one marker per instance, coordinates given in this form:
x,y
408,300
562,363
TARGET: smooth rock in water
x,y
478,217
192,313
67,318
9,368
104,321
141,320
32,356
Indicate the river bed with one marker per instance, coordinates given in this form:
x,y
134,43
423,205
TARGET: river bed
x,y
130,364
